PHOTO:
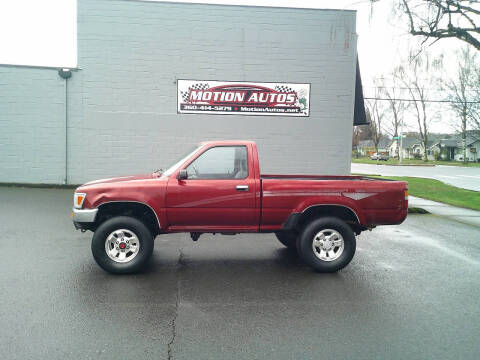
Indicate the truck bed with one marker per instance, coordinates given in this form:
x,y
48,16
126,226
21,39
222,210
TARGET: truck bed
x,y
375,201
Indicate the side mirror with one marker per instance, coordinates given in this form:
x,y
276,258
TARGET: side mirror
x,y
182,174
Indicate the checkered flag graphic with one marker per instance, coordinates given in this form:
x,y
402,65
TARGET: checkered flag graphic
x,y
198,86
284,89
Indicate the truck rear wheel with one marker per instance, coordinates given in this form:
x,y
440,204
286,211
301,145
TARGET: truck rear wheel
x,y
287,238
326,244
122,245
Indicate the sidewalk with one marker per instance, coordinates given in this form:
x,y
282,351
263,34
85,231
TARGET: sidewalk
x,y
462,215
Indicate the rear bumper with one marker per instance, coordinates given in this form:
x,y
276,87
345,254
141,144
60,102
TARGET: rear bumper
x,y
84,215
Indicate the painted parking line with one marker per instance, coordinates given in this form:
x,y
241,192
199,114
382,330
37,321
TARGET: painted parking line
x,y
471,176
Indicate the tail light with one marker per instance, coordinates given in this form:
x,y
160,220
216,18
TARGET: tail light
x,y
406,198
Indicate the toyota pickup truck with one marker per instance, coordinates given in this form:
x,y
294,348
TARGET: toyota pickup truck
x,y
217,187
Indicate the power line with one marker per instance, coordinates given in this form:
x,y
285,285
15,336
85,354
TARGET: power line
x,y
417,100
401,88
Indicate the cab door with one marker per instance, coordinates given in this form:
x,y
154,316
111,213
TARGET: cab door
x,y
218,193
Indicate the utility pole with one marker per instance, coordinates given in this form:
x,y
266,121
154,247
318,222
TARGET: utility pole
x,y
401,144
464,132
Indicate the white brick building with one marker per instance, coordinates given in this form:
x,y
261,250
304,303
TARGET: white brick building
x,y
117,114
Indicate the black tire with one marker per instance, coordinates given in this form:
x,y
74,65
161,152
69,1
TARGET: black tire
x,y
305,241
287,238
145,240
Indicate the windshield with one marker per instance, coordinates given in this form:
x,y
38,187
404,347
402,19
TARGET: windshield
x,y
184,158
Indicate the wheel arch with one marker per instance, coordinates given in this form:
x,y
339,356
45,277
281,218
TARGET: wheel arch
x,y
136,209
297,221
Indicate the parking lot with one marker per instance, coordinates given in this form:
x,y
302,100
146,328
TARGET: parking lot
x,y
411,292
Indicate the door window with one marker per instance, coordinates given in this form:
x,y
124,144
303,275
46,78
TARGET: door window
x,y
221,162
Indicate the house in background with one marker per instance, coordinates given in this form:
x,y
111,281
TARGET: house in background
x,y
445,148
367,147
407,147
418,153
473,150
439,147
452,149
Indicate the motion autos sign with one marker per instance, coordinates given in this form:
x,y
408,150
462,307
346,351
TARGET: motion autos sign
x,y
242,98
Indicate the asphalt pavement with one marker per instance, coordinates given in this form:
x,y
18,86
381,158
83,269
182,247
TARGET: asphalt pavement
x,y
411,292
463,177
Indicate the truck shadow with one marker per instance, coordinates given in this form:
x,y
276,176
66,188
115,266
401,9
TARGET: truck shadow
x,y
214,289
223,273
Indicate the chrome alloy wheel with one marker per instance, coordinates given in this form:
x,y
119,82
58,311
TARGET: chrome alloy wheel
x,y
122,245
328,245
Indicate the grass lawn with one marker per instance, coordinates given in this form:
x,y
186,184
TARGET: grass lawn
x,y
392,161
438,191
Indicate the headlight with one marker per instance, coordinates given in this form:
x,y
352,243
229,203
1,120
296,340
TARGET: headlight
x,y
78,199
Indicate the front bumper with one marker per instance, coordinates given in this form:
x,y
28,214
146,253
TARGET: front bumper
x,y
84,215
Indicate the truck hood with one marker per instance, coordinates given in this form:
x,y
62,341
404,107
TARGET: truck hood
x,y
122,178
146,188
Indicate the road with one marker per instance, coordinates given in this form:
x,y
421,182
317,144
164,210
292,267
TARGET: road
x,y
411,292
463,177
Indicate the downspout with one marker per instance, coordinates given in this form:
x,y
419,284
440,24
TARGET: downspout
x,y
66,74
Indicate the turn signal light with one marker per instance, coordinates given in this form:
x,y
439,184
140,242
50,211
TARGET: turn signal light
x,y
78,199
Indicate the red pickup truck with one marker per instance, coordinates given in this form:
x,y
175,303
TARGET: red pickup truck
x,y
217,188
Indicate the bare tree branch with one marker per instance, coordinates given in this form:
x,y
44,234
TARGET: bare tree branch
x,y
463,88
440,19
414,76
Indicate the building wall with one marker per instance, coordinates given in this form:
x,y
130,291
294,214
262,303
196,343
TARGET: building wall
x,y
122,101
32,123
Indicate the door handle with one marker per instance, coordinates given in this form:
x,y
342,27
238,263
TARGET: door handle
x,y
242,187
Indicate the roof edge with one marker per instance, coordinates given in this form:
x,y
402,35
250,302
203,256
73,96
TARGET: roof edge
x,y
239,5
45,67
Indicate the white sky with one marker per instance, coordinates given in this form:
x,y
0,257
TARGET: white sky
x,y
43,33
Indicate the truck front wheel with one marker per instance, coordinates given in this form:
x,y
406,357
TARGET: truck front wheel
x,y
326,244
122,245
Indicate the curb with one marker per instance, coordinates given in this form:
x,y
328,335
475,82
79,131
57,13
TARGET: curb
x,y
417,210
420,165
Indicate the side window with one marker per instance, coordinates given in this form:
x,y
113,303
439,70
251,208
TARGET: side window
x,y
221,162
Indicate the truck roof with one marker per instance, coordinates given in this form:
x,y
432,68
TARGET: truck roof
x,y
228,142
